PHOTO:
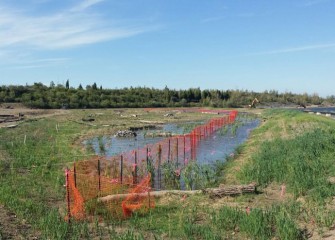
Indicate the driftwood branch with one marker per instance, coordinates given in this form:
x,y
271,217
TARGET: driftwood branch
x,y
232,190
146,194
212,192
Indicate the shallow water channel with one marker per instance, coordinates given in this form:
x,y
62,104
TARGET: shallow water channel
x,y
216,147
329,111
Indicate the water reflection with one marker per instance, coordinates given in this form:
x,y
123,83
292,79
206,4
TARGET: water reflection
x,y
215,147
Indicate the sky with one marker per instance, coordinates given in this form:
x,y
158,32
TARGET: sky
x,y
286,45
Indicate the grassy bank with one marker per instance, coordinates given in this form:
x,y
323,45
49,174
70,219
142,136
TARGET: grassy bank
x,y
294,150
289,148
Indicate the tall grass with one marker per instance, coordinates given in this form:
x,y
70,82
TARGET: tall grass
x,y
303,163
176,221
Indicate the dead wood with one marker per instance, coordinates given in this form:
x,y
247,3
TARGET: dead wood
x,y
222,191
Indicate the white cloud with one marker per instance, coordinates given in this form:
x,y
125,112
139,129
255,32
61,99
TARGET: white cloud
x,y
68,28
296,49
85,4
49,60
27,62
29,66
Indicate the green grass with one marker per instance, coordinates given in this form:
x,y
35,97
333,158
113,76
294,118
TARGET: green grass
x,y
303,163
32,178
302,159
178,221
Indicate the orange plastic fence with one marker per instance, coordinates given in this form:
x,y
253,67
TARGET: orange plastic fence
x,y
85,184
135,200
132,175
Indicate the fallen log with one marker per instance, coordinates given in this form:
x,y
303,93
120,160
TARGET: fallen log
x,y
146,194
232,190
222,191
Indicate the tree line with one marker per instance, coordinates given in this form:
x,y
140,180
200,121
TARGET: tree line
x,y
54,96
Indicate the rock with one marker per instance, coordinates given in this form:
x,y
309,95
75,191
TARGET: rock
x,y
158,134
89,119
12,126
125,133
331,180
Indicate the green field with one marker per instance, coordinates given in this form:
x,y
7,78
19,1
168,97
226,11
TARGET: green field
x,y
290,148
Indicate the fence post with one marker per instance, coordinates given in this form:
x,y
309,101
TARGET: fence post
x,y
75,174
159,165
135,169
177,152
121,169
169,150
191,145
147,159
184,150
99,173
68,194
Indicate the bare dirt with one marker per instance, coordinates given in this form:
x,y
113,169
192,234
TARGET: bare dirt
x,y
28,113
13,228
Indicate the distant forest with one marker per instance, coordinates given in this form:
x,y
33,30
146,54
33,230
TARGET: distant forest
x,y
92,96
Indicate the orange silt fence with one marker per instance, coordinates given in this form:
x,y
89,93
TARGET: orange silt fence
x,y
119,185
92,192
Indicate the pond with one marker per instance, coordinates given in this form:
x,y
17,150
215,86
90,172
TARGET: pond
x,y
217,146
323,110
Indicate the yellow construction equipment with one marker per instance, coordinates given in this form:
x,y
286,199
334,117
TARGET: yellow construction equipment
x,y
253,103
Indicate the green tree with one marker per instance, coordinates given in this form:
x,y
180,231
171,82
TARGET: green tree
x,y
67,84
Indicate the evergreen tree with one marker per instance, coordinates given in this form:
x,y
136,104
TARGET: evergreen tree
x,y
67,84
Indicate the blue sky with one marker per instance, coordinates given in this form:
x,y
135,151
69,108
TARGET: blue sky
x,y
256,45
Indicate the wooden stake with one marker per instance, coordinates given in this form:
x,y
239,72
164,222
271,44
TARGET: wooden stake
x,y
75,174
135,169
121,169
99,174
68,194
159,165
169,150
184,151
177,151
